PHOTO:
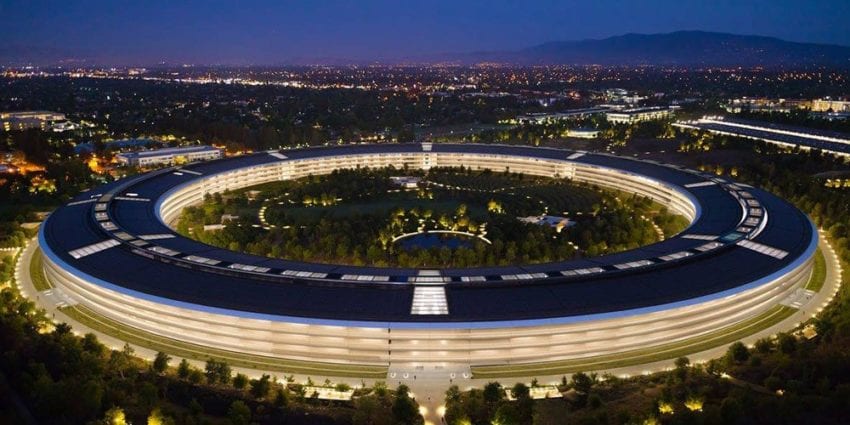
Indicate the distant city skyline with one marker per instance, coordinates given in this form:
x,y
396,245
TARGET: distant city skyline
x,y
266,32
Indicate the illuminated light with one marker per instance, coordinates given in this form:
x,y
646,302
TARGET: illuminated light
x,y
694,404
665,408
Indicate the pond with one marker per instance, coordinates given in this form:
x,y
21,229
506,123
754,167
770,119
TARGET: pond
x,y
435,240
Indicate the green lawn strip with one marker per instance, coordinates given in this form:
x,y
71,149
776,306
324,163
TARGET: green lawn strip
x,y
818,277
37,272
198,352
646,355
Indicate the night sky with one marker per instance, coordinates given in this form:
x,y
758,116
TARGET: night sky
x,y
274,32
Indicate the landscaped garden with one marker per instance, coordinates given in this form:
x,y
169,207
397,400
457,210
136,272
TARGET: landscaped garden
x,y
447,217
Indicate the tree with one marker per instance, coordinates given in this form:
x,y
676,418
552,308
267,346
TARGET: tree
x,y
183,369
764,345
787,343
195,408
158,418
370,410
404,408
217,371
240,381
453,394
524,403
772,383
594,401
738,352
196,376
730,410
494,206
281,398
115,416
508,414
260,387
239,413
160,362
582,382
682,364
34,144
493,393
148,395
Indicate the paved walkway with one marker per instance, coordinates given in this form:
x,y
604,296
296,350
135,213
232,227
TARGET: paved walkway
x,y
428,382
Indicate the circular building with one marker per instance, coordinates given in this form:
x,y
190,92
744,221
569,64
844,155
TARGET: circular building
x,y
112,251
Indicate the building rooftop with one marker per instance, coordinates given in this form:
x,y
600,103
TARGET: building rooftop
x,y
168,151
780,133
640,110
707,260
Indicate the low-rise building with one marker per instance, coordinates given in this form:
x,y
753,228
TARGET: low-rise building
x,y
830,105
765,104
618,95
63,126
633,115
406,182
583,133
779,134
559,223
168,156
24,120
547,118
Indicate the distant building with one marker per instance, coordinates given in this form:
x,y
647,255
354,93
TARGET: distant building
x,y
622,96
633,115
546,118
406,182
226,218
168,156
778,134
763,104
559,223
60,127
583,133
24,120
830,105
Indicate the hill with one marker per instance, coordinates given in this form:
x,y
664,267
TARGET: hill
x,y
682,48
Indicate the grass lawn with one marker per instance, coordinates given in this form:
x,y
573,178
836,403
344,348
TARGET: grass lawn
x,y
202,353
717,338
818,277
37,272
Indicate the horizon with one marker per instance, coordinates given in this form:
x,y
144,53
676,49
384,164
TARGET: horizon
x,y
269,33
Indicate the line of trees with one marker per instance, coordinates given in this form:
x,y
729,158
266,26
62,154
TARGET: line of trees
x,y
350,233
61,378
786,379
